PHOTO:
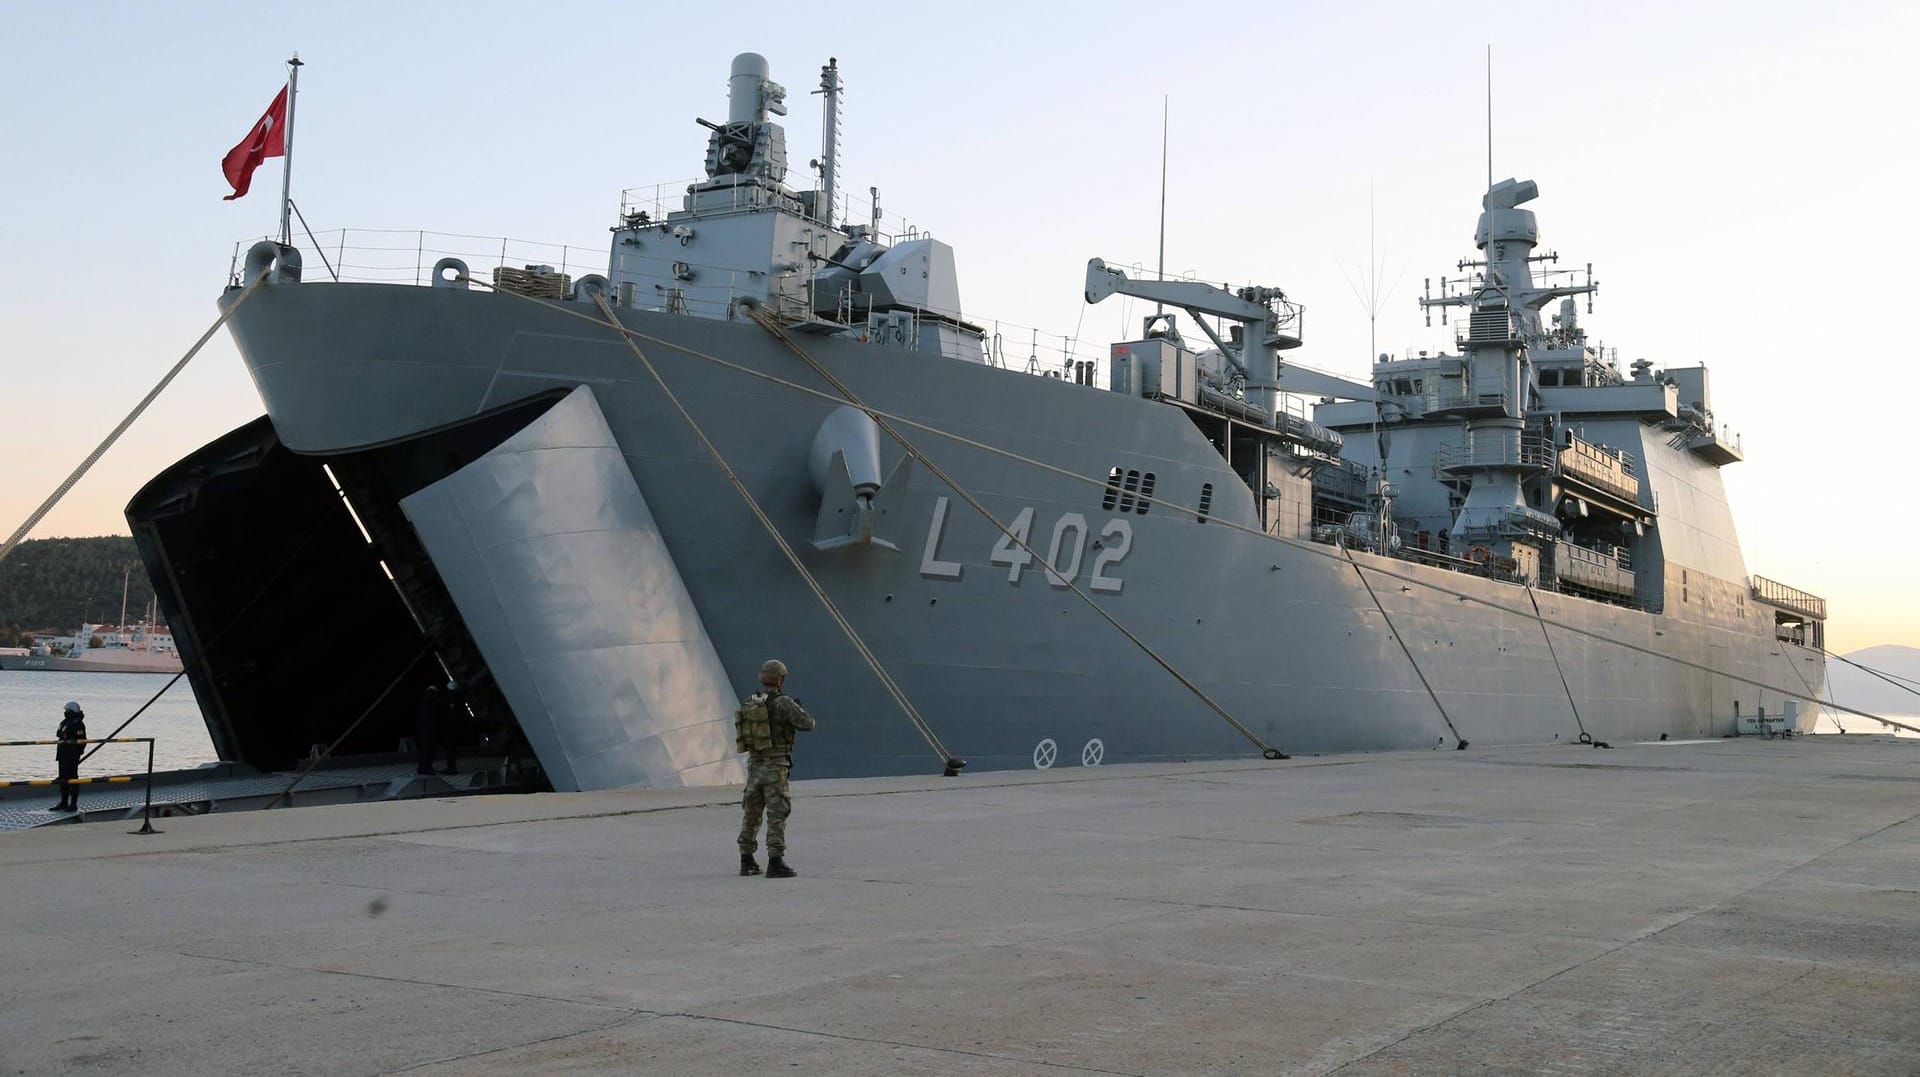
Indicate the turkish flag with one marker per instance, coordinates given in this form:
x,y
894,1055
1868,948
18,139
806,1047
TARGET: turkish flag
x,y
267,139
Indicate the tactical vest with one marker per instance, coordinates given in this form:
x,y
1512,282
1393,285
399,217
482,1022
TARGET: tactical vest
x,y
755,729
753,725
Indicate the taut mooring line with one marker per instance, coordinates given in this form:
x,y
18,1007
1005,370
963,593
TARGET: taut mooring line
x,y
94,456
947,758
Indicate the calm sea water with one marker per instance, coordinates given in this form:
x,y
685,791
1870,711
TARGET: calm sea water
x,y
30,705
1831,722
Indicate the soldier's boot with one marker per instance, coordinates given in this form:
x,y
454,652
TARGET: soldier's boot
x,y
777,868
748,865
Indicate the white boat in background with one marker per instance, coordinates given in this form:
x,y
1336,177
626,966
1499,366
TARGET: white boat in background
x,y
141,650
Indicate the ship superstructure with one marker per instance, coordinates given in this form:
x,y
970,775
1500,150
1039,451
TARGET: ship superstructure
x,y
599,503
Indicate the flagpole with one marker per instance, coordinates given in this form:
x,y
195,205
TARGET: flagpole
x,y
286,165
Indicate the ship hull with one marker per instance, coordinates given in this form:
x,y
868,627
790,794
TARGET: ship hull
x,y
128,664
1283,635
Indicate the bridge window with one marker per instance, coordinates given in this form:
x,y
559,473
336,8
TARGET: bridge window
x,y
1146,494
1113,489
1128,489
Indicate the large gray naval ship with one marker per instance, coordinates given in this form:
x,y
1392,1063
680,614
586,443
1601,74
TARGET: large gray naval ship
x,y
600,503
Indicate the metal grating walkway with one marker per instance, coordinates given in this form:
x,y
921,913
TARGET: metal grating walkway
x,y
174,797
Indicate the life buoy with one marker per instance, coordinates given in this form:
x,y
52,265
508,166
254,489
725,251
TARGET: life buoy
x,y
1479,555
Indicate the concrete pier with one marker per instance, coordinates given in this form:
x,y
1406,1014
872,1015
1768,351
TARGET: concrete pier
x,y
1733,907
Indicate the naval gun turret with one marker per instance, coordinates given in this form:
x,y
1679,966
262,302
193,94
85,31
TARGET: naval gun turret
x,y
743,242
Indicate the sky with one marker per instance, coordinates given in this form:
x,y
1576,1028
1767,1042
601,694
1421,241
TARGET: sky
x,y
1740,175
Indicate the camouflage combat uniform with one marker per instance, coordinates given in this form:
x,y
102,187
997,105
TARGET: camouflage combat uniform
x,y
767,776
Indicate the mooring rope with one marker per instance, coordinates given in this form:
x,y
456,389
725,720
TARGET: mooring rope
x,y
1585,737
767,323
1299,545
1459,741
101,450
1887,677
426,648
947,758
204,649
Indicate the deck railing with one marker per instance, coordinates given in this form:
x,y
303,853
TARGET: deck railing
x,y
1775,593
146,810
394,256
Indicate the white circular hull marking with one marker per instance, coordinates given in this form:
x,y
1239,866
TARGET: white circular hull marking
x,y
1044,753
1093,753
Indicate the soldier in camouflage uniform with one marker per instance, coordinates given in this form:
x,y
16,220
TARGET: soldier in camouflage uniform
x,y
767,769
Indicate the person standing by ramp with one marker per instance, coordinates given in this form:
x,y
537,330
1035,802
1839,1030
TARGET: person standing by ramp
x,y
765,727
72,736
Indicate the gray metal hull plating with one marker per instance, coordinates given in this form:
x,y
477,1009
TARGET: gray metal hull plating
x,y
1281,633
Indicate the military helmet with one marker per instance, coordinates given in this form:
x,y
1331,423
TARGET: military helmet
x,y
72,707
772,670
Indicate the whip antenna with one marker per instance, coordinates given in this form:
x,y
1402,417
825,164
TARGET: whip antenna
x,y
1160,272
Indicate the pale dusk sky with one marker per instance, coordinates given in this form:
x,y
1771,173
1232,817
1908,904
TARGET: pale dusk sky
x,y
1740,175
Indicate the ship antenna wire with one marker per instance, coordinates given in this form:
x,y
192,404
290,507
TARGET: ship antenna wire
x,y
948,759
1160,272
101,450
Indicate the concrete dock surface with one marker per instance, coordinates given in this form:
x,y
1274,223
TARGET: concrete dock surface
x,y
1729,907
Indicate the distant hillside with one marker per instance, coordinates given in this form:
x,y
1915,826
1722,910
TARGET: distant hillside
x,y
1857,688
60,582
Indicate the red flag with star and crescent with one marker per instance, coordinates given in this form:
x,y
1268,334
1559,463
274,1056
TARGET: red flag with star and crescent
x,y
267,139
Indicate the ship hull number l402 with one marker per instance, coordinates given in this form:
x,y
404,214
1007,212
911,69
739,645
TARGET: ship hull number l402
x,y
1065,550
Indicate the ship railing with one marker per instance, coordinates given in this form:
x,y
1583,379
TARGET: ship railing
x,y
1535,450
1443,393
146,810
1515,525
1609,469
658,200
408,256
1775,593
400,256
